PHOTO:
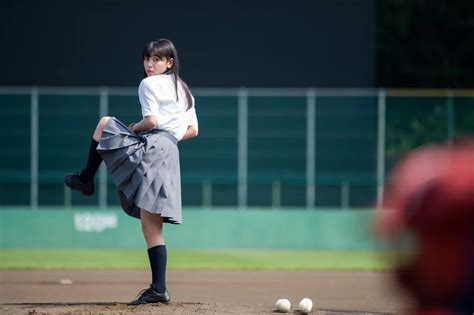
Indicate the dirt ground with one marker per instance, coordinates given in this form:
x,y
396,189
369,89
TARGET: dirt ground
x,y
197,292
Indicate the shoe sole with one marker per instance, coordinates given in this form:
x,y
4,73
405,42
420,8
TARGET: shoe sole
x,y
130,304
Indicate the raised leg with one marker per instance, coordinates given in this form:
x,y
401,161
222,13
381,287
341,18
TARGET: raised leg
x,y
100,127
84,180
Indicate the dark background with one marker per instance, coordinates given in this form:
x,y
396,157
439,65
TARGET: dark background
x,y
297,43
319,43
425,43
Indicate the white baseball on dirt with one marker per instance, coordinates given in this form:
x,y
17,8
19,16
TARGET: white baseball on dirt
x,y
283,305
65,281
305,306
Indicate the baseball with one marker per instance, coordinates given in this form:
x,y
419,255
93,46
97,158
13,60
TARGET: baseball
x,y
305,305
65,281
283,305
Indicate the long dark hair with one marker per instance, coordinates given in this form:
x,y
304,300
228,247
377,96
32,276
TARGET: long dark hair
x,y
164,48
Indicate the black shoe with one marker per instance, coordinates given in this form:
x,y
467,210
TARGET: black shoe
x,y
151,296
74,182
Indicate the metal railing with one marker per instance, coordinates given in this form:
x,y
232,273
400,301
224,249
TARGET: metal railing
x,y
312,96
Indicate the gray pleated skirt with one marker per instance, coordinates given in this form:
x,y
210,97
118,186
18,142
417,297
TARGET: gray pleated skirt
x,y
144,168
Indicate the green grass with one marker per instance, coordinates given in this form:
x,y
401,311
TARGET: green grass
x,y
195,259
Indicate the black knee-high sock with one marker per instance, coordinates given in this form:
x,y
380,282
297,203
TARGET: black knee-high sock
x,y
93,163
157,256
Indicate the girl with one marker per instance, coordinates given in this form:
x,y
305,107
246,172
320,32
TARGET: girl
x,y
143,158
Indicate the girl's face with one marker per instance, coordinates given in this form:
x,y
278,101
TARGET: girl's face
x,y
154,65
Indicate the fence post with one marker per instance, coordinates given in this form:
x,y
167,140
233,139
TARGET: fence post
x,y
34,148
450,115
276,194
243,148
207,194
310,148
381,146
103,111
67,197
345,194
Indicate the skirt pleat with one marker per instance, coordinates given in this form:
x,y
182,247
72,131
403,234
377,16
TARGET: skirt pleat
x,y
144,169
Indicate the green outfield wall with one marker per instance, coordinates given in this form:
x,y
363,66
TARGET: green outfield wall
x,y
326,229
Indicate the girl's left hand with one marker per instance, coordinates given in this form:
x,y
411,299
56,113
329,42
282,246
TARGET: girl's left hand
x,y
130,126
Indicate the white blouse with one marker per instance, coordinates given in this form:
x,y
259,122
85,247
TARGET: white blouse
x,y
158,97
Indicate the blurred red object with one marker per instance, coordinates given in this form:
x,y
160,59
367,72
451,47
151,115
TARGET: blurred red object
x,y
430,194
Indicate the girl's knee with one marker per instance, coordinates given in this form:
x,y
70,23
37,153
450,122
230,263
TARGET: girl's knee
x,y
103,121
100,127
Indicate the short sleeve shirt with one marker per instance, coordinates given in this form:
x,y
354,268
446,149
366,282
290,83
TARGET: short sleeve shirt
x,y
157,97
